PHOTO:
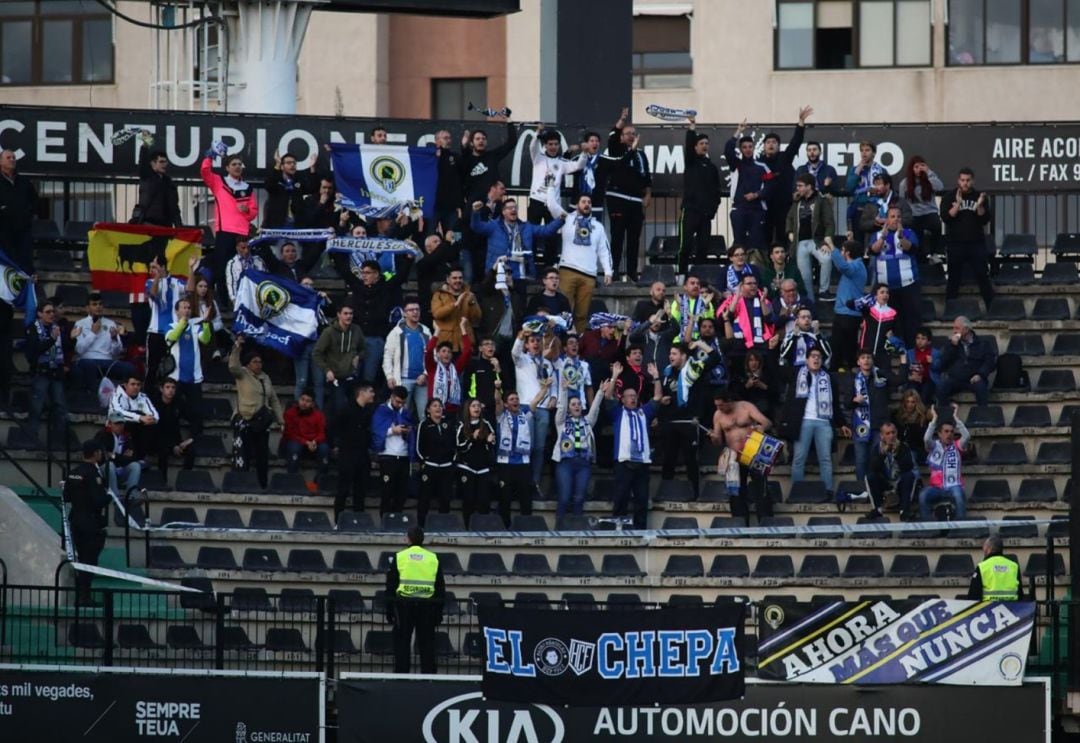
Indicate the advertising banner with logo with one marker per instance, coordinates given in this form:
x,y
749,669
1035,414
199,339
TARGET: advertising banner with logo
x,y
586,658
78,142
894,642
452,709
107,705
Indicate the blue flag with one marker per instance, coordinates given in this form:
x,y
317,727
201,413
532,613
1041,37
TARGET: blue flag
x,y
275,312
384,175
17,289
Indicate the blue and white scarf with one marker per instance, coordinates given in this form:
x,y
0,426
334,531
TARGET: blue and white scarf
x,y
718,375
734,275
822,390
583,227
753,307
447,383
667,113
293,236
860,417
604,319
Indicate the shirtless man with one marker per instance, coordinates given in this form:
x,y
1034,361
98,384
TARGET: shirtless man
x,y
733,422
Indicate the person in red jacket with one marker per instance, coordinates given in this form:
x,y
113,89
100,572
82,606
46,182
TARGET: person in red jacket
x,y
444,372
236,206
305,434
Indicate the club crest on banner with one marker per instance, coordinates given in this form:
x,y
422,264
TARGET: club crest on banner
x,y
271,299
14,280
388,171
581,656
551,657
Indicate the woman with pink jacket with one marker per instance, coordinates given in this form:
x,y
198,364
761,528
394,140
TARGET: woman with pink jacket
x,y
237,206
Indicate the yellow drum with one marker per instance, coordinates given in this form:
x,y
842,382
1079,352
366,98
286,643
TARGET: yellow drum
x,y
760,452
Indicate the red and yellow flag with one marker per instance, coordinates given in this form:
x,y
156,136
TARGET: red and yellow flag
x,y
119,254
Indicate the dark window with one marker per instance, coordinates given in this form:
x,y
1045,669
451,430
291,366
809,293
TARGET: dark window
x,y
661,54
55,42
450,97
988,32
845,34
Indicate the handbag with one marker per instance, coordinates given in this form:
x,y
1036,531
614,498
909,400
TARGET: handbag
x,y
261,421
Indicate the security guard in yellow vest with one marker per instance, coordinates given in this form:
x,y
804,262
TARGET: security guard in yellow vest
x,y
415,593
996,578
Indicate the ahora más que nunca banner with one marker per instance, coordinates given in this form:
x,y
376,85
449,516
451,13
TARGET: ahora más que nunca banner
x,y
650,656
896,642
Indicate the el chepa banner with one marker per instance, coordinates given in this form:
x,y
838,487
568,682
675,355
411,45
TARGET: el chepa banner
x,y
275,312
119,255
106,705
585,658
886,642
384,175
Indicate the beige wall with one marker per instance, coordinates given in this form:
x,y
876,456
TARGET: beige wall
x,y
344,52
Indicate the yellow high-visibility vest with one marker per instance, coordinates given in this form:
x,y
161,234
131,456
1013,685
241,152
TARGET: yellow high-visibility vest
x,y
417,568
1000,579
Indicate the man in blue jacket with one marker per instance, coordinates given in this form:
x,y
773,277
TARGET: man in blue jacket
x,y
781,164
749,177
391,433
512,239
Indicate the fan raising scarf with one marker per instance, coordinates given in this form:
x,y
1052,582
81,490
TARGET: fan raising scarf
x,y
669,114
822,389
860,417
447,384
944,463
603,319
293,236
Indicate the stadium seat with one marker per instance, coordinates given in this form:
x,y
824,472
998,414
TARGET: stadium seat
x,y
819,566
621,566
1018,244
341,643
250,599
1036,565
73,296
663,249
44,231
1034,490
823,521
973,530
623,601
270,519
306,561
211,445
533,599
1056,380
1058,527
653,273
579,601
1019,527
1007,453
808,491
910,566
135,637
774,566
166,557
531,563
872,534
575,566
285,640
297,600
932,274
679,522
1059,273
970,307
312,521
729,566
346,601
953,565
451,605
713,491
1066,344
1026,344
1051,308
1006,309
184,637
576,522
991,491
386,559
674,490
1065,419
710,275
256,558
486,563
354,521
864,566
379,642
177,515
1054,452
473,645
351,561
288,483
215,558
1027,416
486,522
204,601
398,523
485,598
240,482
54,259
1015,274
195,481
450,564
535,522
985,416
684,566
779,522
444,522
727,522
1066,244
216,409
685,601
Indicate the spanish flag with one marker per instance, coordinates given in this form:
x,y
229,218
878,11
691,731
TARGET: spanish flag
x,y
119,255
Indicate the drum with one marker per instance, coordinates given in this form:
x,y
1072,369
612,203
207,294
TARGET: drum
x,y
760,452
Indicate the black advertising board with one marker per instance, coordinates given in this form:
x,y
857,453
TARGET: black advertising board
x,y
57,704
76,142
585,658
453,710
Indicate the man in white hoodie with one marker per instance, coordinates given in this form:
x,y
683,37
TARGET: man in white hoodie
x,y
403,357
548,169
584,246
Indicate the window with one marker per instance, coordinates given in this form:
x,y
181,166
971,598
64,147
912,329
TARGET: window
x,y
845,34
58,42
1013,32
450,97
661,52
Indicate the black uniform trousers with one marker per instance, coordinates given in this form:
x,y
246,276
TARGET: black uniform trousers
x,y
353,471
88,546
515,481
753,487
421,616
395,480
971,253
676,437
435,483
694,233
627,219
475,491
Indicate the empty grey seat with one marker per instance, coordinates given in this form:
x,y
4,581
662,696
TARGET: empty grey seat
x,y
346,601
341,643
579,600
535,522
774,566
379,642
85,635
1065,419
819,566
872,534
288,483
1015,274
251,599
261,559
486,563
472,646
1036,565
951,565
991,491
215,558
450,564
684,566
808,491
178,515
529,563
195,481
205,600
970,307
674,490
151,479
1031,416
575,566
575,522
297,600
910,566
312,521
1007,453
385,560
1019,244
932,274
1059,273
531,597
726,522
485,598
685,601
352,561
1007,309
1066,344
1054,452
679,522
166,557
447,522
184,637
823,521
354,521
135,637
1037,490
1019,527
972,530
985,416
864,566
398,523
618,601
306,561
730,566
1058,527
621,565
267,518
240,482
1051,308
779,522
1026,344
486,522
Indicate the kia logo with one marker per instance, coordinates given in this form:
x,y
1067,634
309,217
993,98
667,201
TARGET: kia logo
x,y
466,718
